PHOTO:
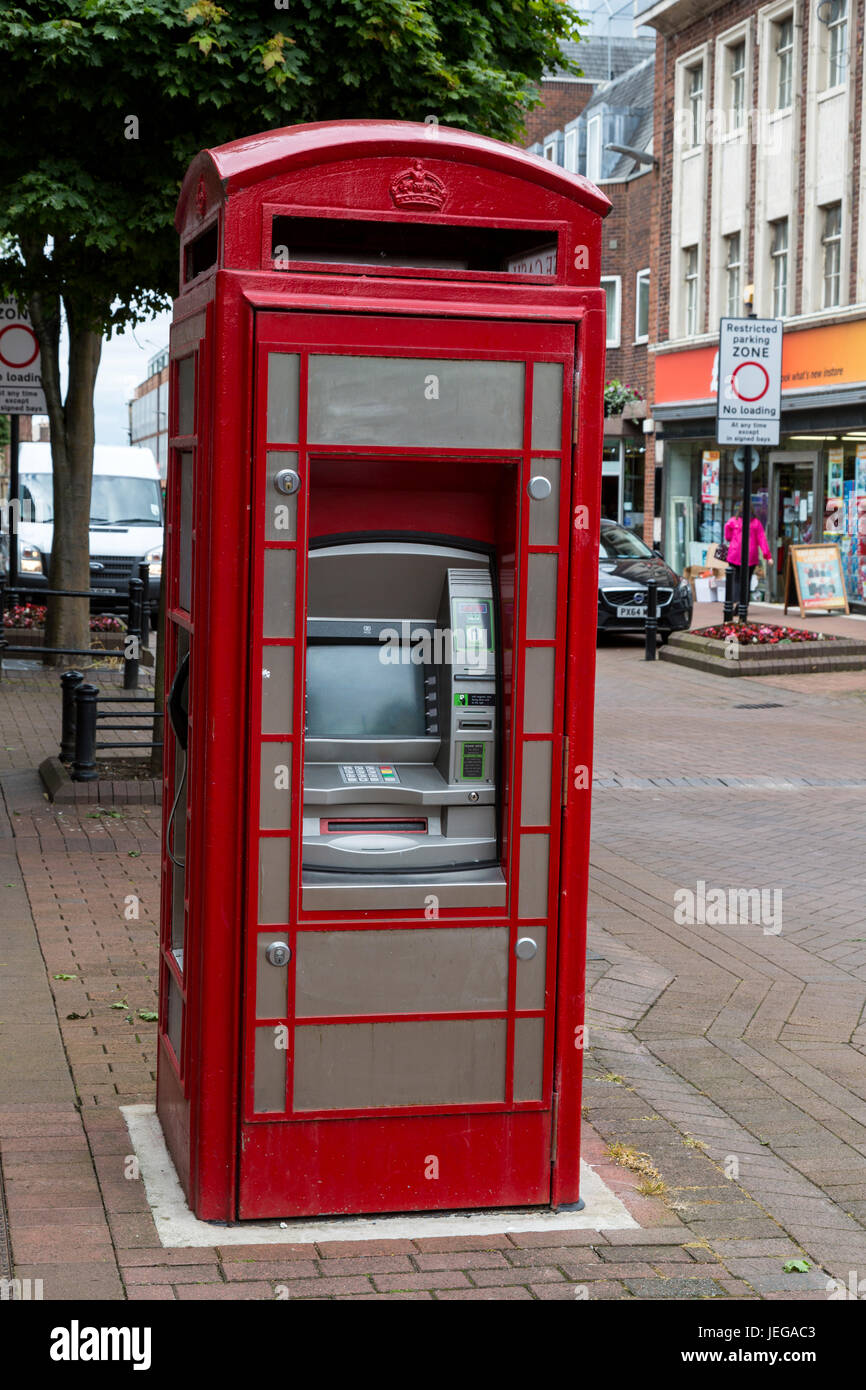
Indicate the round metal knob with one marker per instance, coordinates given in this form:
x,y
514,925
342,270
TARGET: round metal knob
x,y
278,953
473,796
526,948
539,487
287,481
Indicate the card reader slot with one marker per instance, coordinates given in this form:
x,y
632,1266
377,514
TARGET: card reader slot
x,y
362,825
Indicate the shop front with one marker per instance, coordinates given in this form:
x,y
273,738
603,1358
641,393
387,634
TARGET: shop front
x,y
812,488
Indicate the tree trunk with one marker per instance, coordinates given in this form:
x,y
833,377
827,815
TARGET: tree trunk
x,y
72,438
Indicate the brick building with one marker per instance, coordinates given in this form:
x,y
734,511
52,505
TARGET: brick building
x,y
761,199
601,59
148,411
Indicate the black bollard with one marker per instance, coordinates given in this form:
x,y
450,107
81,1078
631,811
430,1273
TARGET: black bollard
x,y
652,619
84,766
132,649
730,599
69,683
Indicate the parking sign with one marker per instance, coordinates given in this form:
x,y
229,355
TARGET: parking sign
x,y
20,368
750,381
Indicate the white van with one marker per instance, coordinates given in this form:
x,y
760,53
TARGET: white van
x,y
126,521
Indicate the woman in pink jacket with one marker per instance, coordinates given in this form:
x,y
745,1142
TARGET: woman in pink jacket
x,y
757,541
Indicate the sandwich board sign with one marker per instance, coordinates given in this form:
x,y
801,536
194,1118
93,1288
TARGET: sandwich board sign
x,y
749,398
20,368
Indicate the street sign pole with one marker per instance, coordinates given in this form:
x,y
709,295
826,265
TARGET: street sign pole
x,y
745,537
13,512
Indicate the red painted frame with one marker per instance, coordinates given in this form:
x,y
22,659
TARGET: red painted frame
x,y
343,169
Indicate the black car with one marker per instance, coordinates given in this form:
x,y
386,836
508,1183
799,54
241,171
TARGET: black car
x,y
625,566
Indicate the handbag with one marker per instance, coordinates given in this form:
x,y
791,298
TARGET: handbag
x,y
722,550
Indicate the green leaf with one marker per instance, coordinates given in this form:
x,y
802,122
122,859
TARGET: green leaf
x,y
796,1267
148,1015
64,977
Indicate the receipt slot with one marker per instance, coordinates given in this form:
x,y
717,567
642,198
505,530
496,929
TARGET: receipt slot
x,y
387,371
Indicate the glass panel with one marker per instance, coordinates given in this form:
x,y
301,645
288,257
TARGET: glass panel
x,y
281,512
283,374
275,805
547,405
270,1072
278,664
534,863
364,1065
528,1058
544,512
272,981
437,402
538,691
537,773
186,395
274,870
179,826
184,569
530,977
541,597
174,1015
368,972
279,593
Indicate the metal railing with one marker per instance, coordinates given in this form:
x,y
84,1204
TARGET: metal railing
x,y
137,620
80,724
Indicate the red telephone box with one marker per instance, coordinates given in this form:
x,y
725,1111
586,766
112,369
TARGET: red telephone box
x,y
387,368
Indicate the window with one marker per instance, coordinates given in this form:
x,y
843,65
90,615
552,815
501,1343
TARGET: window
x,y
593,149
691,286
831,241
550,150
835,16
737,79
784,45
733,267
779,259
641,306
610,284
695,89
571,151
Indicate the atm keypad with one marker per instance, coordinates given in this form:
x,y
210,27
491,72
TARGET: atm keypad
x,y
368,774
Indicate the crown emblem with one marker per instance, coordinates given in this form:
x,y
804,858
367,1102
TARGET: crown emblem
x,y
417,188
201,197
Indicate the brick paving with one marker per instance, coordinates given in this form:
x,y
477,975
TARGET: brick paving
x,y
734,1058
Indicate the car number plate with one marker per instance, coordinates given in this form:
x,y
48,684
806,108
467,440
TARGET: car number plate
x,y
630,610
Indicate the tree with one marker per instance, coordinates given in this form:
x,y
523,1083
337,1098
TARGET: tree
x,y
112,98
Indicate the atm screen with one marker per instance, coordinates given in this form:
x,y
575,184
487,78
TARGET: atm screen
x,y
353,693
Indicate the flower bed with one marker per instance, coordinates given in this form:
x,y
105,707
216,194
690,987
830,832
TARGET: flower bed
x,y
30,617
760,634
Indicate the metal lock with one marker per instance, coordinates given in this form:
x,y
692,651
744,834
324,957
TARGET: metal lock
x,y
539,487
287,481
278,953
526,948
473,797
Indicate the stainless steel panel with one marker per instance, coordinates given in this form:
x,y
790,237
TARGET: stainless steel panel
x,y
275,802
437,402
547,405
362,570
538,690
272,981
281,512
270,1072
368,1065
279,593
278,666
186,395
274,870
537,781
534,865
471,888
174,1016
528,1058
541,597
544,513
443,969
530,974
283,374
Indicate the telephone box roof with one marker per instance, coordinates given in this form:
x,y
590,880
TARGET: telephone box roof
x,y
256,158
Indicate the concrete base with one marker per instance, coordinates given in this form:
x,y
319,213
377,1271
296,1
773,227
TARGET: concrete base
x,y
796,658
178,1228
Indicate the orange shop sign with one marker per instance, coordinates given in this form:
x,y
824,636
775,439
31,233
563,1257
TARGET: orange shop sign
x,y
833,355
